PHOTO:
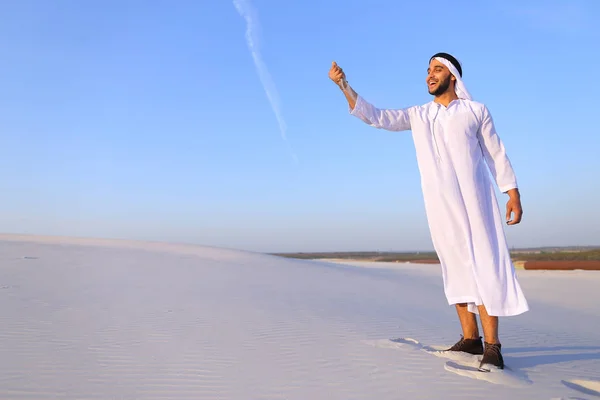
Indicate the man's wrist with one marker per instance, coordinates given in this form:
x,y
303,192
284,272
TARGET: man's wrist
x,y
343,83
513,193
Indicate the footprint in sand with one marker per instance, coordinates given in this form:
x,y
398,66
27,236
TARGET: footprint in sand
x,y
383,344
589,387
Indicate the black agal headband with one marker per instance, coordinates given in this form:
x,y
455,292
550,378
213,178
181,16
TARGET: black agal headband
x,y
450,58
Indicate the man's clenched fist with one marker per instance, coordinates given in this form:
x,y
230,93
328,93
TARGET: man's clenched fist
x,y
336,74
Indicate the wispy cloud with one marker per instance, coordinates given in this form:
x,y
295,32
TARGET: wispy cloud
x,y
247,11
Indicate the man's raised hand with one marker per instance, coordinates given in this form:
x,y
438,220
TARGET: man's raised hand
x,y
336,74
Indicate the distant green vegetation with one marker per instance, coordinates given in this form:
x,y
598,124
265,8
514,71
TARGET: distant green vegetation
x,y
364,255
546,254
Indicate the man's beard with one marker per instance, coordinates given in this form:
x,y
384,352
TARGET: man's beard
x,y
442,88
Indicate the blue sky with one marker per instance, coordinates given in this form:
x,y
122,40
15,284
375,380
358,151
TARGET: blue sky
x,y
150,120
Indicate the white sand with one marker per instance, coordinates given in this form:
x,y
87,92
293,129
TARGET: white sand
x,y
90,319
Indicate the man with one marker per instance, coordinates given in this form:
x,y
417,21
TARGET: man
x,y
454,139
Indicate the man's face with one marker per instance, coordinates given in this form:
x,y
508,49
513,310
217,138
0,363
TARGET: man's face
x,y
438,78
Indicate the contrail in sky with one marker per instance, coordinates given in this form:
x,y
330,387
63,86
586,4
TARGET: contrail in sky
x,y
247,11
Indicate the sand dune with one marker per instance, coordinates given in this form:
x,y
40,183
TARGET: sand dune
x,y
103,319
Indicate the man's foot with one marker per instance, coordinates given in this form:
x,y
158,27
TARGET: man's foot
x,y
492,357
471,346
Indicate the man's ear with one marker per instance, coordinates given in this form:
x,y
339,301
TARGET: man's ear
x,y
453,82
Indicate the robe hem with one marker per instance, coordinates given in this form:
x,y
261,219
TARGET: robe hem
x,y
464,299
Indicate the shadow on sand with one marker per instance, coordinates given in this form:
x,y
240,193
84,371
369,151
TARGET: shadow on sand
x,y
556,355
583,386
510,350
530,361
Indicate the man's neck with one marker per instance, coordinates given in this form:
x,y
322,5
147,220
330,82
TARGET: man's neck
x,y
446,98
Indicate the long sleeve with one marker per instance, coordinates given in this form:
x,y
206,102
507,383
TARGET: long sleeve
x,y
495,154
388,119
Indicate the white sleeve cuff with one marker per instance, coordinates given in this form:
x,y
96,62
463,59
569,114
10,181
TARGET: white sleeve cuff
x,y
506,188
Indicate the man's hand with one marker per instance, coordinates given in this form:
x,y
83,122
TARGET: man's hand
x,y
336,74
513,206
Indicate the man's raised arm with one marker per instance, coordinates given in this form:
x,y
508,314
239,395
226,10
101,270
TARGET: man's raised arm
x,y
391,120
337,75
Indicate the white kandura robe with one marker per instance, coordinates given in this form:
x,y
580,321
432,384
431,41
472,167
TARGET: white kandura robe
x,y
453,146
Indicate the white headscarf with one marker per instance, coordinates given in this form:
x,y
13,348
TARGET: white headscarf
x,y
459,87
